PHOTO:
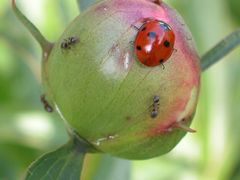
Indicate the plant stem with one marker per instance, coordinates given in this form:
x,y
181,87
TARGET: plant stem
x,y
220,50
45,44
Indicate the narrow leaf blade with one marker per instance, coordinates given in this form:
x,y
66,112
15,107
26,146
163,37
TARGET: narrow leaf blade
x,y
220,50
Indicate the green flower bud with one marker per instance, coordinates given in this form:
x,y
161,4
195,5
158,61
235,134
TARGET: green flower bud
x,y
93,78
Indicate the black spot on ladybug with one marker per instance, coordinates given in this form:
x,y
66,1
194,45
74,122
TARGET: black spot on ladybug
x,y
139,48
152,35
161,61
166,43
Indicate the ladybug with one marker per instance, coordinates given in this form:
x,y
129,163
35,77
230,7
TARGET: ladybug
x,y
154,42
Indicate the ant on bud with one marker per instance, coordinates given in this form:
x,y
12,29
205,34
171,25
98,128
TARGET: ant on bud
x,y
155,106
45,103
67,43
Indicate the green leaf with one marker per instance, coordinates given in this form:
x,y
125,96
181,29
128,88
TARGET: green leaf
x,y
220,50
84,4
63,163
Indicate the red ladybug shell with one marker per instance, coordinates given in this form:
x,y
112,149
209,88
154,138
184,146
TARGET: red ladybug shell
x,y
154,42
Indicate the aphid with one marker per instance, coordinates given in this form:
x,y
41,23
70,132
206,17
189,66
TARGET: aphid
x,y
154,42
155,106
67,43
45,103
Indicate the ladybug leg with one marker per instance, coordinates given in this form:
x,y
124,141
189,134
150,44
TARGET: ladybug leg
x,y
141,21
161,62
135,27
132,43
163,67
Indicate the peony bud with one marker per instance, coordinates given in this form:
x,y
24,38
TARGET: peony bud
x,y
107,96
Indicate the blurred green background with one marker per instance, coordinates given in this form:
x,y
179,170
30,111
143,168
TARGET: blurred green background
x,y
27,131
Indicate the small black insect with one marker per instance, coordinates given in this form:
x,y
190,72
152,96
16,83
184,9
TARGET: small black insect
x,y
67,43
64,44
73,40
155,106
45,103
155,99
154,113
